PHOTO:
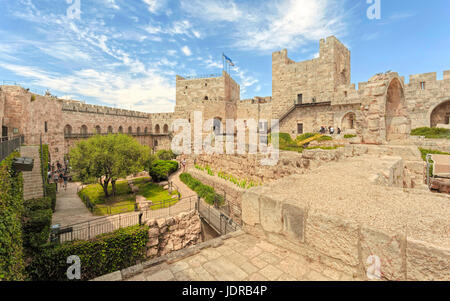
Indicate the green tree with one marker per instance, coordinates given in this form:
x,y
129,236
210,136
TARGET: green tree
x,y
109,158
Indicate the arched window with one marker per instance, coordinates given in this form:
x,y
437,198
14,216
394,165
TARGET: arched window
x,y
145,130
157,129
121,129
138,130
206,97
67,130
348,122
84,130
98,129
110,129
166,129
130,130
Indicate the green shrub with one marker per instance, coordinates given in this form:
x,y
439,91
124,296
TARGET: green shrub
x,y
37,204
348,136
165,155
51,193
11,208
324,138
205,192
160,170
304,136
104,254
433,133
36,227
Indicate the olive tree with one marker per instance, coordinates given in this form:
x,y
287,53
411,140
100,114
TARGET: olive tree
x,y
109,158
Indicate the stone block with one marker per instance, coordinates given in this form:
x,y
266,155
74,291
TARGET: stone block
x,y
293,222
116,276
270,214
425,262
388,248
161,222
250,208
131,271
333,237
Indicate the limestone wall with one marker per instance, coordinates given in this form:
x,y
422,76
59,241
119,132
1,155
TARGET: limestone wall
x,y
347,244
315,79
424,94
442,145
167,235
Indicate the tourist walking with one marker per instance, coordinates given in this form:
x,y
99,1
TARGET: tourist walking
x,y
65,179
183,164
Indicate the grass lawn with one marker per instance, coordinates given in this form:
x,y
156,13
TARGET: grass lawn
x,y
433,133
124,201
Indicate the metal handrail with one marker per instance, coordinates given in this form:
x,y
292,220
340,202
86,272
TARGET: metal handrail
x,y
9,144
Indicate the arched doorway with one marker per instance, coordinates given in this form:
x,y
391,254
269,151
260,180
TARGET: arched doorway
x,y
130,130
110,129
120,129
397,123
68,130
166,129
98,129
348,121
440,114
84,130
157,129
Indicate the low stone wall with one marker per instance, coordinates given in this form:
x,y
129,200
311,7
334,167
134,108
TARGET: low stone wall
x,y
248,167
442,145
172,234
341,244
232,192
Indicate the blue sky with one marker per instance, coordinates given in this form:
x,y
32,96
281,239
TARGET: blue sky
x,y
126,53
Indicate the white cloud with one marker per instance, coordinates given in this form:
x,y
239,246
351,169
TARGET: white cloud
x,y
186,50
275,24
154,5
151,93
217,10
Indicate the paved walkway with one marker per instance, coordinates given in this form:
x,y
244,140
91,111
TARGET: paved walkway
x,y
242,258
69,207
183,189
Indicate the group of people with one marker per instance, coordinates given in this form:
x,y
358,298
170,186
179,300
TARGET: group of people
x,y
329,130
58,174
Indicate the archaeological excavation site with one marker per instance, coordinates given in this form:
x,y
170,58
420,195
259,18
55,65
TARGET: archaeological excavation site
x,y
324,180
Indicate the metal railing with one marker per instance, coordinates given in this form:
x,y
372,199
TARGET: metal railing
x,y
218,220
9,145
90,229
88,135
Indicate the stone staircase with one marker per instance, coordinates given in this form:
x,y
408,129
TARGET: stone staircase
x,y
32,180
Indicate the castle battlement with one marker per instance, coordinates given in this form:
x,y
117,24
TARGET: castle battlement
x,y
76,106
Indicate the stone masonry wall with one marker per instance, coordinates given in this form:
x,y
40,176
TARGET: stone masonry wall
x,y
171,234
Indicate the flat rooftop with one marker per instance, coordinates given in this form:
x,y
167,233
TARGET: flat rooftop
x,y
344,189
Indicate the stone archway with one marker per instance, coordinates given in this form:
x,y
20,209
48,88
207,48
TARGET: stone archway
x,y
348,121
440,114
397,123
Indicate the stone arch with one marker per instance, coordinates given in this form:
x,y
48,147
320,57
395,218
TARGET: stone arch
x,y
348,122
98,129
146,130
84,129
120,130
398,125
68,129
166,129
440,114
138,130
157,129
110,129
